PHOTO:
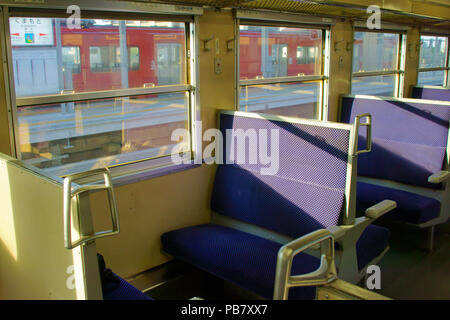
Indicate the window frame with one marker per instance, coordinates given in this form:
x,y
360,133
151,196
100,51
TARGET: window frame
x,y
399,73
445,68
126,172
281,20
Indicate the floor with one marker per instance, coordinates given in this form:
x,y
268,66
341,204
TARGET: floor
x,y
409,271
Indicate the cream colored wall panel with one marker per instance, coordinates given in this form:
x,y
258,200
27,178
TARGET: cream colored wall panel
x,y
5,138
340,65
412,60
148,209
33,260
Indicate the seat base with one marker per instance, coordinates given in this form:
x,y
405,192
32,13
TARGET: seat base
x,y
236,256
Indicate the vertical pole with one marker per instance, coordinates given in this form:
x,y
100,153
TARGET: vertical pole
x,y
64,106
123,54
123,68
265,52
59,54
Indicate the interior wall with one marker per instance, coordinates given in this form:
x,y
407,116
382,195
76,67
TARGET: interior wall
x,y
412,60
340,65
34,264
5,145
152,207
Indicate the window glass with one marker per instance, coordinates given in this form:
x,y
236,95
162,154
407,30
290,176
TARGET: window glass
x,y
133,58
433,51
104,59
86,132
383,85
288,99
91,56
375,51
71,59
79,136
279,52
431,78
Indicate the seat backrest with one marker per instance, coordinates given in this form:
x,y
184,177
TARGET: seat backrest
x,y
431,93
307,192
409,137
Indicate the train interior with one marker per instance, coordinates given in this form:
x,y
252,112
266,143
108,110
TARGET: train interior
x,y
225,150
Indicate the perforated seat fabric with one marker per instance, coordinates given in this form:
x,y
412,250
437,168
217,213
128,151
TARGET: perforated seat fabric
x,y
411,207
371,244
409,139
307,191
431,94
239,257
289,207
390,155
122,291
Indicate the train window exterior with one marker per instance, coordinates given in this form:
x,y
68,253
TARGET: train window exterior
x,y
71,59
377,68
133,58
100,96
433,61
104,59
281,67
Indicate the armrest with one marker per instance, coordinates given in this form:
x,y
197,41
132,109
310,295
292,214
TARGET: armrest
x,y
323,275
337,231
381,208
439,176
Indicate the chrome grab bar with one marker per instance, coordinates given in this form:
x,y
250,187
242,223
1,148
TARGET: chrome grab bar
x,y
69,194
325,274
368,125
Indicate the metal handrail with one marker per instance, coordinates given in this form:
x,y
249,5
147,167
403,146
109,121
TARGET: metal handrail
x,y
325,274
69,194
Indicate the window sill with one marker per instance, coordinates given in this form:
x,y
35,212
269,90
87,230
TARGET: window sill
x,y
125,178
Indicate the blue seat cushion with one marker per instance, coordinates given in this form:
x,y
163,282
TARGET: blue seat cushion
x,y
371,244
411,207
121,290
238,257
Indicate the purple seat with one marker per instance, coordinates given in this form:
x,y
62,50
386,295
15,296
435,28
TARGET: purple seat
x,y
411,207
307,193
409,141
122,290
431,93
239,257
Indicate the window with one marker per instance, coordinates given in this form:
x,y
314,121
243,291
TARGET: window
x,y
433,61
104,59
79,107
282,70
107,59
133,58
71,59
378,63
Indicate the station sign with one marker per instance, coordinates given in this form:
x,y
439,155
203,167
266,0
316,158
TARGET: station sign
x,y
31,31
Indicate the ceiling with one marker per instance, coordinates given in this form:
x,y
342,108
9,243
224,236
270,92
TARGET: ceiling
x,y
431,13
